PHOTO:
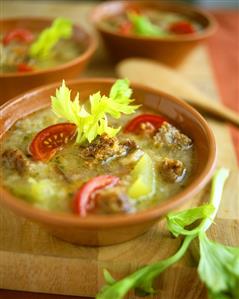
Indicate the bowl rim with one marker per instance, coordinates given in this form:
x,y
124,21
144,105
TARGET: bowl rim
x,y
90,49
206,32
110,221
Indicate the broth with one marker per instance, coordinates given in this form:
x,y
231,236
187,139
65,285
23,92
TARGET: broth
x,y
166,24
68,170
16,53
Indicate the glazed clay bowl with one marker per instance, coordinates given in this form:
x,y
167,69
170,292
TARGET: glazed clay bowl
x,y
95,230
170,51
12,84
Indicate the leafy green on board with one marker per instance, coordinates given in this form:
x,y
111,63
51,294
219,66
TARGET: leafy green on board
x,y
178,221
48,38
93,122
141,279
218,266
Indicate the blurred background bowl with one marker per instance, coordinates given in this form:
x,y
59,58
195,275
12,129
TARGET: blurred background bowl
x,y
170,51
12,84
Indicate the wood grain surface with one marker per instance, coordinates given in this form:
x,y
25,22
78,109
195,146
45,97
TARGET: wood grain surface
x,y
33,260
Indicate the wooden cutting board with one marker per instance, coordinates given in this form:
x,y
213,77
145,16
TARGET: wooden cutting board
x,y
33,260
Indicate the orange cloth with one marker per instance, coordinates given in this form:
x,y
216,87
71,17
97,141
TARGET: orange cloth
x,y
224,51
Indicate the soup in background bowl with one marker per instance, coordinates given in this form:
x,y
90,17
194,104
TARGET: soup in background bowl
x,y
152,23
160,30
25,50
112,188
20,72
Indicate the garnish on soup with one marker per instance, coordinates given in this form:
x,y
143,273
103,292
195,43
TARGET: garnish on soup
x,y
102,155
23,50
93,122
151,23
48,38
51,139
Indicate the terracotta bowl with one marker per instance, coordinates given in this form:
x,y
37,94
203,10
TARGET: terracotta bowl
x,y
170,51
12,84
111,229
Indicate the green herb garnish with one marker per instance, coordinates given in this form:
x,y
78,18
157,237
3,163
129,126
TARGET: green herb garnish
x,y
218,265
143,26
93,121
48,38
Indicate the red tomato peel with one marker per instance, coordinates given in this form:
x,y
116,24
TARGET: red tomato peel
x,y
182,27
134,124
23,67
19,34
50,140
83,196
125,28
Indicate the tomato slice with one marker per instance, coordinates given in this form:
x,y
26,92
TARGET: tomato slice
x,y
50,140
23,67
125,28
19,34
182,27
83,196
134,125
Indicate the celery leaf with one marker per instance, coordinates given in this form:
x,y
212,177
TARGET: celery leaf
x,y
143,26
177,222
47,39
93,122
142,280
219,268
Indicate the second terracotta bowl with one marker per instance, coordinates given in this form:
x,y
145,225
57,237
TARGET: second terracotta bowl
x,y
171,51
12,84
111,229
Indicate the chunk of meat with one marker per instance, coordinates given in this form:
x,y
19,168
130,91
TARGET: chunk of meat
x,y
172,170
129,145
112,201
147,129
105,148
15,159
168,135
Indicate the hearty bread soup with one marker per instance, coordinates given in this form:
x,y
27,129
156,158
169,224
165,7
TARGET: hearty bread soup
x,y
24,51
104,157
149,22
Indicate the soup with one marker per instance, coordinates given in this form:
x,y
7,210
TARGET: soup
x,y
143,164
150,22
24,51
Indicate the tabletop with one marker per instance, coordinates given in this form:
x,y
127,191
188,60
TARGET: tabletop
x,y
223,49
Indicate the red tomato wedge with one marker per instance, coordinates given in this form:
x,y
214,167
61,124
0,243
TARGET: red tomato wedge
x,y
182,27
83,196
125,28
50,140
134,124
19,34
23,67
